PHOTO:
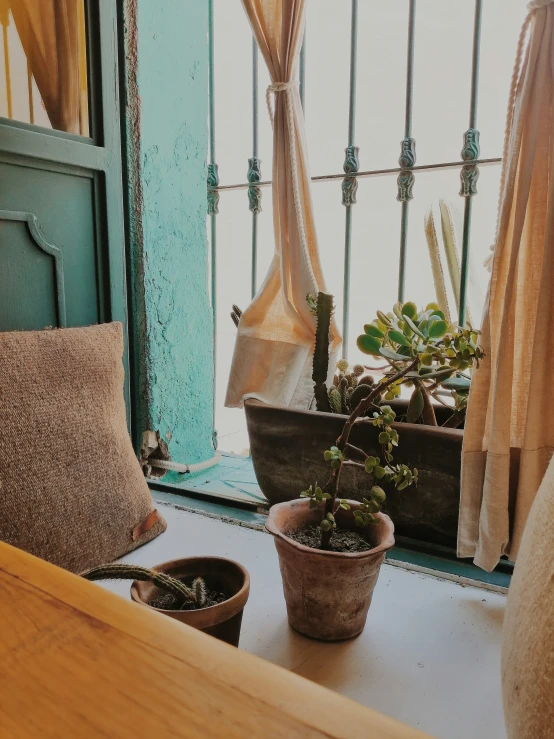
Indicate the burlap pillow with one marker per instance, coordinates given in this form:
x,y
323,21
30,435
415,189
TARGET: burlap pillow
x,y
71,488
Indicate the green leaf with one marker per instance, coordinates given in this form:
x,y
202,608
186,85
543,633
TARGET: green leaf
x,y
383,318
325,496
378,494
403,485
426,359
435,374
437,329
398,338
432,318
372,330
384,438
328,455
415,407
397,309
410,310
457,383
369,344
379,472
326,525
389,354
413,326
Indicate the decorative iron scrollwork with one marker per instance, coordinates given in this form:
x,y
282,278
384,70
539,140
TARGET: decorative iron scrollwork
x,y
350,184
471,150
405,182
469,176
213,192
254,193
407,156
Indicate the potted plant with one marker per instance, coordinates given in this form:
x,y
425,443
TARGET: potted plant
x,y
331,548
286,443
207,593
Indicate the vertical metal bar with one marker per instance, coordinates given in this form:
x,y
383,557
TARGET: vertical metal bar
x,y
407,157
7,65
213,199
303,73
350,183
30,93
254,168
470,172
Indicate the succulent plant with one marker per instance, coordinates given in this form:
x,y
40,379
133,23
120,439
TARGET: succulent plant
x,y
423,352
322,307
445,353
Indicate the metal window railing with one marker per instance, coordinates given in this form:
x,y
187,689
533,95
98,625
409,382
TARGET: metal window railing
x,y
406,170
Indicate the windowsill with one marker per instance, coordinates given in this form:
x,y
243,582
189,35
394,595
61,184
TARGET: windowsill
x,y
427,642
207,494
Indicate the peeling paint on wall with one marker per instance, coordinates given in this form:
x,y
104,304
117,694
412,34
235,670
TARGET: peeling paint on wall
x,y
167,69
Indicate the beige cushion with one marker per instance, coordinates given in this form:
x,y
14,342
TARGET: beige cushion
x,y
528,636
71,489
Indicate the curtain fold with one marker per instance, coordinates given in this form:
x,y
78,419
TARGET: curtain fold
x,y
509,433
274,344
49,33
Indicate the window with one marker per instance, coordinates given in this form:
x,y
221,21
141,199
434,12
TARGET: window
x,y
384,233
45,64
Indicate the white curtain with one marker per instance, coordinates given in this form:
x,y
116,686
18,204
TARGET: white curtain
x,y
509,434
274,345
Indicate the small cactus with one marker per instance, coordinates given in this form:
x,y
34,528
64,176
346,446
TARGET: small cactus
x,y
358,394
342,365
358,370
335,400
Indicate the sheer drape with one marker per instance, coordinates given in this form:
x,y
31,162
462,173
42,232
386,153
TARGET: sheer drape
x,y
272,358
49,33
509,434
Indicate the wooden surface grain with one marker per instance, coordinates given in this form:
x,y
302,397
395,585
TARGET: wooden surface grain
x,y
77,661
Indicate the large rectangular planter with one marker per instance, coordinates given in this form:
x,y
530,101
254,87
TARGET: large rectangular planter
x,y
287,452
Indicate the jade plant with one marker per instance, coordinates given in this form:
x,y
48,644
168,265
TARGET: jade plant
x,y
445,353
421,349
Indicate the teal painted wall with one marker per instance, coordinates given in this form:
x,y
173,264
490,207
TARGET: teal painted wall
x,y
167,138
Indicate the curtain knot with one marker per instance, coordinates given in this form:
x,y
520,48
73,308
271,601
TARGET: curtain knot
x,y
537,4
280,86
276,87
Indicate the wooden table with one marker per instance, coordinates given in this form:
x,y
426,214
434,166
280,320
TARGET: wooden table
x,y
77,661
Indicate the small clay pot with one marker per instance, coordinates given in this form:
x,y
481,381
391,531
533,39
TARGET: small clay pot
x,y
328,594
222,620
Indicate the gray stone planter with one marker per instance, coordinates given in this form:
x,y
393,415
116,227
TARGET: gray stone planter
x,y
287,452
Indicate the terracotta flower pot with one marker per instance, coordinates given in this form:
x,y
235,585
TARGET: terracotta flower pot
x,y
287,452
222,620
328,594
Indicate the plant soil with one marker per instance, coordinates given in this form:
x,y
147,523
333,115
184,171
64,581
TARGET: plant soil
x,y
170,602
342,540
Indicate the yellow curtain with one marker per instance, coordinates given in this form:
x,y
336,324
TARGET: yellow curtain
x,y
509,434
49,33
272,358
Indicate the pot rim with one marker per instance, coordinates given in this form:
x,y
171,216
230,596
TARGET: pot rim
x,y
387,542
422,428
234,604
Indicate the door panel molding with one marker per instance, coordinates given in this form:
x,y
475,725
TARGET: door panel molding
x,y
30,220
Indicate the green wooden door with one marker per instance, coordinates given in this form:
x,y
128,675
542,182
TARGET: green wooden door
x,y
61,201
